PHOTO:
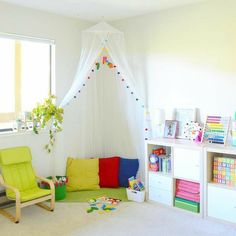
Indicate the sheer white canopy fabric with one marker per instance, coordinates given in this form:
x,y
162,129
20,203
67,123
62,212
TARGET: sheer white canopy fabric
x,y
105,119
94,39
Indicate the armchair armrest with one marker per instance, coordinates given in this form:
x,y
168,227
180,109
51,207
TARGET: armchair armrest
x,y
15,190
50,183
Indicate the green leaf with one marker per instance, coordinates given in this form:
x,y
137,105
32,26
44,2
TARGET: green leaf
x,y
44,113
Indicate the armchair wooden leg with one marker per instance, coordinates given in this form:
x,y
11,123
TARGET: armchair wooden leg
x,y
52,203
16,218
46,207
8,215
18,210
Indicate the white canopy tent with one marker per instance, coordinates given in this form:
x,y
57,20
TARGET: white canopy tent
x,y
94,39
107,116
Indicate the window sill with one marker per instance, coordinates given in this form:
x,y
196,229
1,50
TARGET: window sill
x,y
18,133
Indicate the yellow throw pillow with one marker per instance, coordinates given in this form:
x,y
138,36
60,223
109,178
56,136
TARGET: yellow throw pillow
x,y
82,174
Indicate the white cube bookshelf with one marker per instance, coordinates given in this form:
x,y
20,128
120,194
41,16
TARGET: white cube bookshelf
x,y
219,198
186,164
192,162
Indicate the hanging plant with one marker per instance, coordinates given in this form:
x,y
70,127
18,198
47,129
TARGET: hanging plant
x,y
48,115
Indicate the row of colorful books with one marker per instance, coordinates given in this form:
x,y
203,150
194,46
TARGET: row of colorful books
x,y
160,163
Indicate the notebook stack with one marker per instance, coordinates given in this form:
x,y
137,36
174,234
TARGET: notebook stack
x,y
187,195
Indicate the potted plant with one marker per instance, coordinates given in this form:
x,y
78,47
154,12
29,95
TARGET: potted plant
x,y
48,115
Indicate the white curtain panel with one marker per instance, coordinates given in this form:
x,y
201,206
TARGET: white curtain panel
x,y
104,119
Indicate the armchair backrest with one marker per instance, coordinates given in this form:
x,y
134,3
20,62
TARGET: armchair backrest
x,y
17,169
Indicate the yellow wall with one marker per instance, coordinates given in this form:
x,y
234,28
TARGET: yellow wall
x,y
186,56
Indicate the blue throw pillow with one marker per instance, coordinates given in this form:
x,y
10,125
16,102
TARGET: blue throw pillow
x,y
128,168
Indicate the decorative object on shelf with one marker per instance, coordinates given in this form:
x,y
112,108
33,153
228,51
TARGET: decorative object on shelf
x,y
153,162
23,122
48,115
193,131
216,129
157,117
171,127
224,171
159,151
184,116
159,161
19,125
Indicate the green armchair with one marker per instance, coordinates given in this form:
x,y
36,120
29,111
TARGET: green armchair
x,y
20,181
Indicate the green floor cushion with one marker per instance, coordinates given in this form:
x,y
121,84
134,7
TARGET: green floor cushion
x,y
86,195
82,174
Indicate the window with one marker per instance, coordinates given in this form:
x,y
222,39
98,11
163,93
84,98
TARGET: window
x,y
26,71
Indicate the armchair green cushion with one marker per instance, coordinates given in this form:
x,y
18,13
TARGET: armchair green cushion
x,y
15,155
18,172
30,194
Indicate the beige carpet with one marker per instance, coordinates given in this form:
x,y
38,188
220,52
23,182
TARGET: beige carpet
x,y
131,219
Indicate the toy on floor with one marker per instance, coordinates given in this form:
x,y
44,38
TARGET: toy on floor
x,y
135,184
102,204
136,191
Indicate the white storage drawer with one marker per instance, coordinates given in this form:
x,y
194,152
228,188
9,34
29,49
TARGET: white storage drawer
x,y
222,203
161,196
160,182
187,163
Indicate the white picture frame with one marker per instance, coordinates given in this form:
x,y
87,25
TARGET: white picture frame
x,y
171,127
183,116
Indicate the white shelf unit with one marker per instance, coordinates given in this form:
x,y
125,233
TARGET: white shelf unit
x,y
186,164
160,185
220,199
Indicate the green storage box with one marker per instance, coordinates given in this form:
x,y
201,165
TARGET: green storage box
x,y
187,205
60,192
60,189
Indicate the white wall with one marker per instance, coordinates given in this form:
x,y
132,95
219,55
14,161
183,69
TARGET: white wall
x,y
186,56
42,162
67,34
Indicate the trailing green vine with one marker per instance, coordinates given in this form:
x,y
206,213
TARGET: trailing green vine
x,y
48,114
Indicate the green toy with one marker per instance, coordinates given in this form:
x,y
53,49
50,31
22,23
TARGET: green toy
x,y
102,204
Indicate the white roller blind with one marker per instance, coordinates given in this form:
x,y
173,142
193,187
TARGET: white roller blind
x,y
7,75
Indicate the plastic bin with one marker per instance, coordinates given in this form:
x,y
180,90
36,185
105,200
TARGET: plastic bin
x,y
133,195
60,189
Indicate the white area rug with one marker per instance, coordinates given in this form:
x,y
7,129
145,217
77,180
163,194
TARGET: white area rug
x,y
71,219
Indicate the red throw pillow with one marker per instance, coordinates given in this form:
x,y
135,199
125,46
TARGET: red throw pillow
x,y
109,172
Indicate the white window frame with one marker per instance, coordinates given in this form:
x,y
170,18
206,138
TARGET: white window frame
x,y
8,117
